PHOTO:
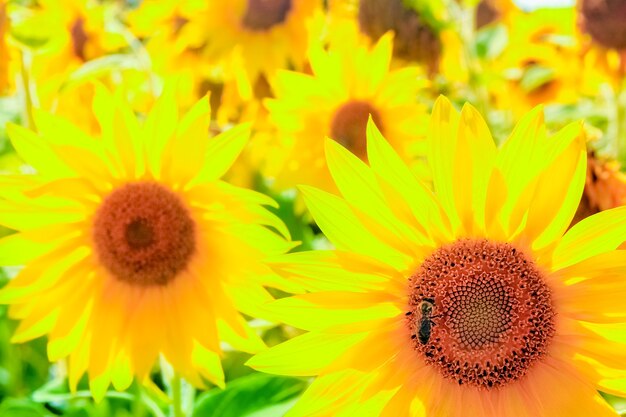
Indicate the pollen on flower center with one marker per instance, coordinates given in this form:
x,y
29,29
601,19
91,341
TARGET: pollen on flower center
x,y
264,14
143,234
349,125
604,21
489,315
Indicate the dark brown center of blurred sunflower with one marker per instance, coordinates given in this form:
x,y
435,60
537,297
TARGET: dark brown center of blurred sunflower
x,y
488,314
79,38
605,21
349,125
486,13
264,14
414,39
143,234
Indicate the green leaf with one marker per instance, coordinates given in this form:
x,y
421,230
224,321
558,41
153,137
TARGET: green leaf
x,y
536,76
13,407
257,395
491,41
618,403
95,68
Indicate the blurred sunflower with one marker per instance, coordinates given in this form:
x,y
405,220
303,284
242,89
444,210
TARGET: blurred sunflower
x,y
63,35
175,48
349,82
6,55
605,187
495,11
230,49
540,65
416,40
257,37
469,301
602,34
133,246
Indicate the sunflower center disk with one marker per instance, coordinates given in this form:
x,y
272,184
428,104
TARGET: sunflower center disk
x,y
79,38
349,125
143,234
604,21
489,315
264,14
414,40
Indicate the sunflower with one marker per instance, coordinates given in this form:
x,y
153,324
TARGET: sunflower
x,y
471,300
6,52
348,83
540,65
133,247
64,34
605,186
494,11
602,35
175,48
416,39
59,37
257,37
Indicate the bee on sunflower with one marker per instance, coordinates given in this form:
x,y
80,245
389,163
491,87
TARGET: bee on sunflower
x,y
470,300
133,247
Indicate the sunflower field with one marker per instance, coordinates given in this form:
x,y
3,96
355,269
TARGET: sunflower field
x,y
312,208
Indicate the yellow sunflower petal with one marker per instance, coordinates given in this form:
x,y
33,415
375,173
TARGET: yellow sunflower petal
x,y
304,355
122,372
221,153
358,186
473,163
444,124
120,131
517,163
324,309
594,235
184,154
209,365
331,270
557,196
387,164
340,226
31,148
159,128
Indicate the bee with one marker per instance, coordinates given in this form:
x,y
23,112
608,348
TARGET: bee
x,y
425,322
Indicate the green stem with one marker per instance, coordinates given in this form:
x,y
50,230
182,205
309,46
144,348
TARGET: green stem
x,y
465,20
177,397
26,86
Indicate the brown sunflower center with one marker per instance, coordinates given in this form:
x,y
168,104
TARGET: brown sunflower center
x,y
480,312
414,39
79,38
143,234
605,21
264,14
486,13
349,125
